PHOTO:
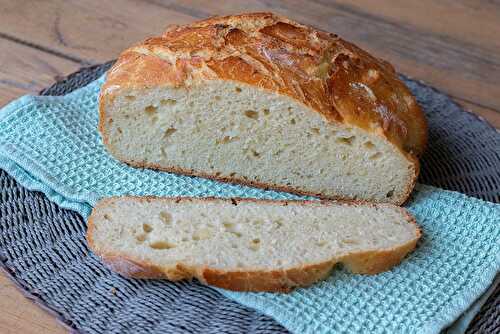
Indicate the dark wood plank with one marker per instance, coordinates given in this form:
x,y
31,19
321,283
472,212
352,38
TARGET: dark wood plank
x,y
472,21
92,31
25,70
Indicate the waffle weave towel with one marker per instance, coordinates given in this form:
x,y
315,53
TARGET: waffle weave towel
x,y
51,144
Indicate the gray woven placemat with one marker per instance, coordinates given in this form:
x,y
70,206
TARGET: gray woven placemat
x,y
44,250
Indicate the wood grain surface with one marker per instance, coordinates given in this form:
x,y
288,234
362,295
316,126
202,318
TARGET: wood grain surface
x,y
453,45
20,315
24,69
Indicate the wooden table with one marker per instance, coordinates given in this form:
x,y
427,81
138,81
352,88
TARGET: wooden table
x,y
450,44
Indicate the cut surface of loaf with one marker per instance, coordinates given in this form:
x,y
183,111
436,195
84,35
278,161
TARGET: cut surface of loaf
x,y
248,245
261,100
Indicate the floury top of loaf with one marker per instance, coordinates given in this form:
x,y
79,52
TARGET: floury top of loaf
x,y
262,100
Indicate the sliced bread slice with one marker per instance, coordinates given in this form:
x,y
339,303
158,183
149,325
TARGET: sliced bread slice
x,y
248,245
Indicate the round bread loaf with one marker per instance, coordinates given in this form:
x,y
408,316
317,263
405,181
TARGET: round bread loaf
x,y
261,100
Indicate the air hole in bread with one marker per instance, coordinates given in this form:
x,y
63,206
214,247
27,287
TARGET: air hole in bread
x,y
147,228
289,108
140,238
161,245
217,98
169,132
119,130
292,121
154,119
321,243
254,245
107,217
202,234
375,156
258,222
279,223
168,102
227,139
266,112
390,194
129,97
369,145
255,153
315,131
110,121
238,90
150,110
251,114
232,174
239,265
217,173
166,217
348,241
184,239
346,140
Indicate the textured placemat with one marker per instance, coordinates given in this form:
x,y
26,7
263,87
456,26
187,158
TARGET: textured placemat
x,y
68,279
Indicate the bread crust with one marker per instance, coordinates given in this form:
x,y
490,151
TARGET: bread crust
x,y
282,280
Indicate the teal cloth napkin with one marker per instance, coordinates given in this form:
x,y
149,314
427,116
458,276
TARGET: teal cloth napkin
x,y
51,144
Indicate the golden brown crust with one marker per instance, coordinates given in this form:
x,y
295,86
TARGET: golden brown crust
x,y
270,281
280,280
265,281
331,76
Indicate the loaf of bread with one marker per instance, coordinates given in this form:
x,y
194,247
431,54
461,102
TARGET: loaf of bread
x,y
261,100
248,245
